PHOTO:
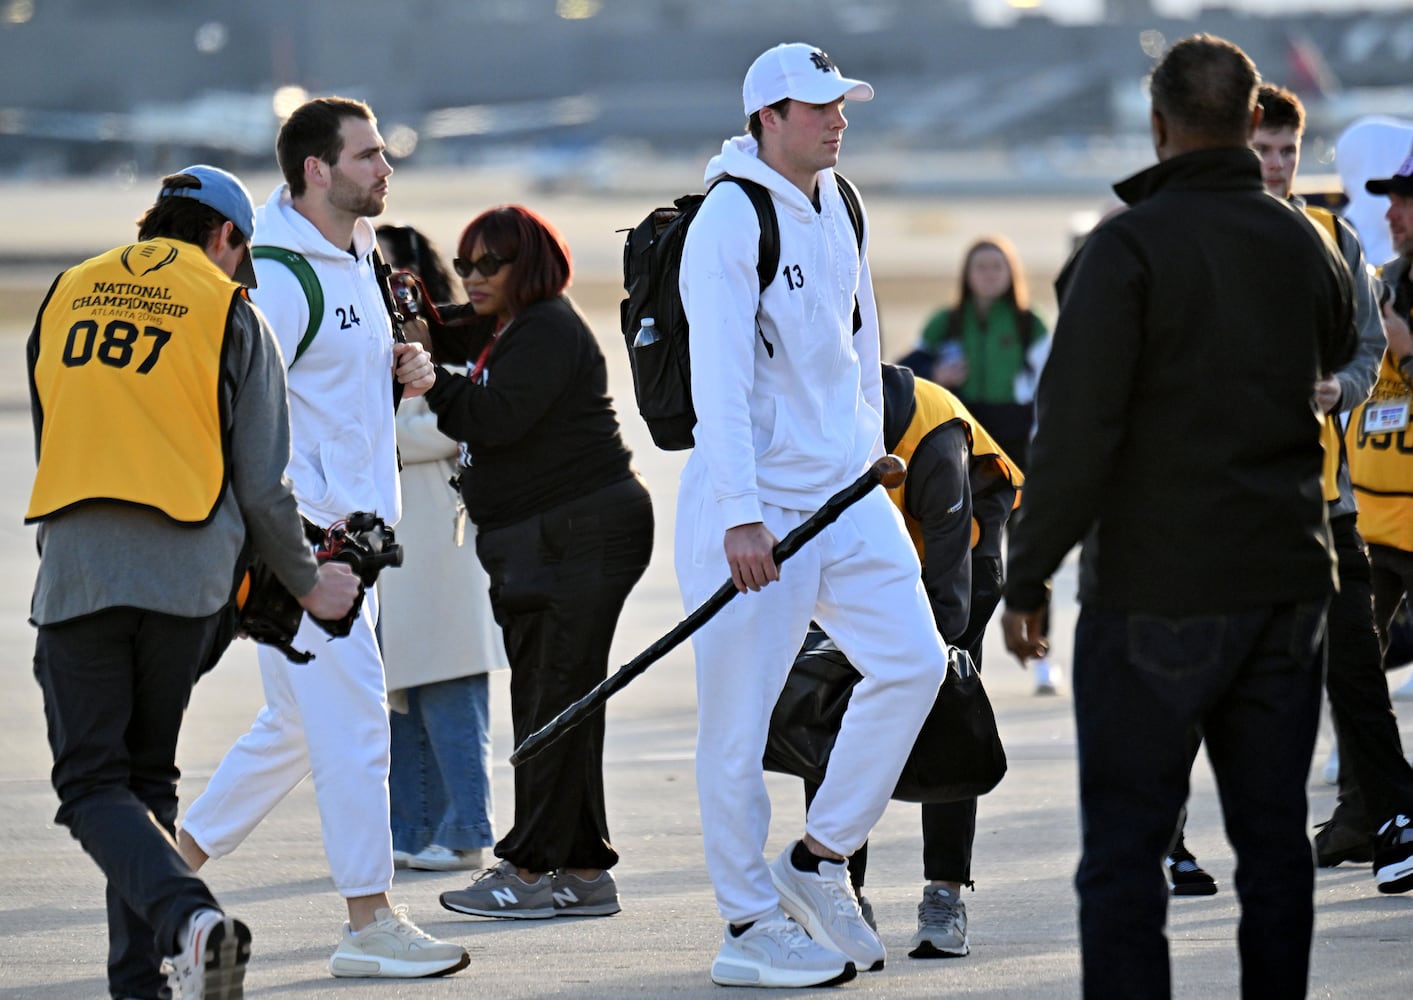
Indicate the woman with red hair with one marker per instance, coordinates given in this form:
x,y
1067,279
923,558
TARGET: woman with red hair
x,y
565,531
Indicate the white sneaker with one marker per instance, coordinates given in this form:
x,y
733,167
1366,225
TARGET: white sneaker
x,y
393,947
436,858
401,859
1047,677
826,907
777,952
211,964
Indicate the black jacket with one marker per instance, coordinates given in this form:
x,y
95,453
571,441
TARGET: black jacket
x,y
947,486
541,430
1176,414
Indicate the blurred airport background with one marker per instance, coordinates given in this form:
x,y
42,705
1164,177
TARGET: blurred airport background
x,y
974,95
1009,116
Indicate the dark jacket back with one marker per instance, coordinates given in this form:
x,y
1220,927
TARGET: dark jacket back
x,y
1176,414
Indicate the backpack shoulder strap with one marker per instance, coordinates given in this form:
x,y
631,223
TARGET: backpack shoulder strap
x,y
768,258
852,204
850,194
308,280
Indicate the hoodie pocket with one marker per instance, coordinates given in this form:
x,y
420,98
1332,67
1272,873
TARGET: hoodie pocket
x,y
345,465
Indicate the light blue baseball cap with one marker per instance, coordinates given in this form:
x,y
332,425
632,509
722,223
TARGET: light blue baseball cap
x,y
223,192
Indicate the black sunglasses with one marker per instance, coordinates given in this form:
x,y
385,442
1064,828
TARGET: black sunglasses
x,y
488,264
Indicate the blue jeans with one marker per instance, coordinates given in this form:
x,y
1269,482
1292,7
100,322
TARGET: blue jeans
x,y
1144,687
440,777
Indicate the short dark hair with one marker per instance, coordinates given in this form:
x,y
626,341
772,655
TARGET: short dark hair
x,y
541,266
184,219
313,130
1206,86
1280,108
780,107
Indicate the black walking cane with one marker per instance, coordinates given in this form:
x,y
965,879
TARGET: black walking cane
x,y
888,470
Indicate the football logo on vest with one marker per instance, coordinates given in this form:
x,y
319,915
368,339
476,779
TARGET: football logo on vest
x,y
146,252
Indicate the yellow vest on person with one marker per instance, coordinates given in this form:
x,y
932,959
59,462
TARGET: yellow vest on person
x,y
935,407
127,380
1381,464
1330,432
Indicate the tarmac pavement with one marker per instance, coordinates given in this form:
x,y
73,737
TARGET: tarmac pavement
x,y
1022,914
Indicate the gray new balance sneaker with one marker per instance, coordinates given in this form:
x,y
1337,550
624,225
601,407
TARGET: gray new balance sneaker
x,y
577,897
775,951
941,925
501,892
825,905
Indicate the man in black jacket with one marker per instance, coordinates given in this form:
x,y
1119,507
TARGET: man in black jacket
x,y
1178,431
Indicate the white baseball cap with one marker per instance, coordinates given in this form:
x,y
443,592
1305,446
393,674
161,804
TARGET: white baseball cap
x,y
800,72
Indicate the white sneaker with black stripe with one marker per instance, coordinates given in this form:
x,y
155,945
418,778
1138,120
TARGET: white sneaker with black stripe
x,y
776,952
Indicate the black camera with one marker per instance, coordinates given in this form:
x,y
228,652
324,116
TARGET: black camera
x,y
407,293
365,542
271,614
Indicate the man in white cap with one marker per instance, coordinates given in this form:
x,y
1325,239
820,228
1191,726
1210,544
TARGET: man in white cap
x,y
787,389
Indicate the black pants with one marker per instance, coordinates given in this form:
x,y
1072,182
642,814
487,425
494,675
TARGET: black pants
x,y
558,583
116,685
1376,782
1250,681
948,828
1392,576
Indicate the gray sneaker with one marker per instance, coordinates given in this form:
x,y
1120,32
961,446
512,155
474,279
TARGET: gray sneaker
x,y
941,925
577,897
866,911
501,892
775,951
825,905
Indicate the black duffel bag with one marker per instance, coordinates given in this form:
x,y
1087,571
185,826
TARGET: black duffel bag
x,y
957,755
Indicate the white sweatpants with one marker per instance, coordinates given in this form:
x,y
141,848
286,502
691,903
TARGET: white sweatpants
x,y
860,580
329,718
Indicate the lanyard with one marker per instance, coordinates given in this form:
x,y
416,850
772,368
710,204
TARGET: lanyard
x,y
475,373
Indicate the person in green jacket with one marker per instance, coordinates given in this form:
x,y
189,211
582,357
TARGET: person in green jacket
x,y
988,347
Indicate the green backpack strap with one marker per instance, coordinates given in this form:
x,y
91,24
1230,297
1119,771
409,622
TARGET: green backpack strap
x,y
308,280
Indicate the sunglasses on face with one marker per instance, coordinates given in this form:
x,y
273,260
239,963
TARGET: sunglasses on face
x,y
488,264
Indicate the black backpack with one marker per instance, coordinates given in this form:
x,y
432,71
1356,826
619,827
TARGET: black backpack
x,y
652,257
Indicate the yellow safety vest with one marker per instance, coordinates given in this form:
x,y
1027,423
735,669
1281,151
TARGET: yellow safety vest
x,y
1381,462
1330,432
128,380
935,408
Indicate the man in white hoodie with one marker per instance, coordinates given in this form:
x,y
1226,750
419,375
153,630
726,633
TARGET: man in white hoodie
x,y
787,389
329,718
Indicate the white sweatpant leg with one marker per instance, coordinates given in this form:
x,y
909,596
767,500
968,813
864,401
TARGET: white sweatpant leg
x,y
328,717
859,578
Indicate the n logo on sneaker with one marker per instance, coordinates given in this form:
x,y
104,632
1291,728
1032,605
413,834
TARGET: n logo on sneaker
x,y
505,897
564,897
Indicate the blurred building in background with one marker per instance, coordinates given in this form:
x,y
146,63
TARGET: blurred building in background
x,y
573,89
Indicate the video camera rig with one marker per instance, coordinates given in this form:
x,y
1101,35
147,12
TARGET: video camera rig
x,y
269,613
